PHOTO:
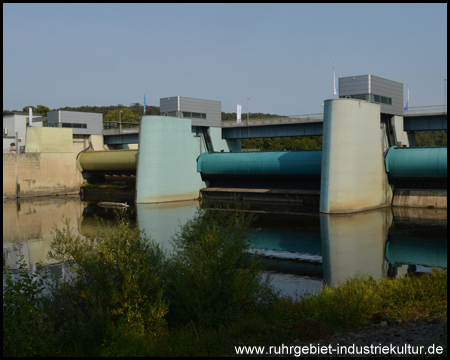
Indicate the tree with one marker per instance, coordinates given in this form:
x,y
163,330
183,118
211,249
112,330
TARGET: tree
x,y
41,109
26,108
127,115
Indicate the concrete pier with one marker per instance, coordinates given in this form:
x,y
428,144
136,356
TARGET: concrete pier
x,y
167,158
353,170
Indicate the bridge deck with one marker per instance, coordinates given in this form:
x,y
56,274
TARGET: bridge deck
x,y
423,118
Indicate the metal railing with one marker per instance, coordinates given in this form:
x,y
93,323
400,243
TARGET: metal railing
x,y
116,128
274,120
432,110
116,125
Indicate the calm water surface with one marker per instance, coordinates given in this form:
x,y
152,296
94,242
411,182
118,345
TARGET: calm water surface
x,y
301,251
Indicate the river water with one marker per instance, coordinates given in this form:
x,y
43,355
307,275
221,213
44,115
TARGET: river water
x,y
301,251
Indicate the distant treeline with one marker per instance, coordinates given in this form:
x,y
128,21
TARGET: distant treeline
x,y
431,138
136,108
130,113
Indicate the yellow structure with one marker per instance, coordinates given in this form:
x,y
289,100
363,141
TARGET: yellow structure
x,y
49,140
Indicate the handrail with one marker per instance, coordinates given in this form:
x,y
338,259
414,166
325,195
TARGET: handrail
x,y
307,118
432,109
121,131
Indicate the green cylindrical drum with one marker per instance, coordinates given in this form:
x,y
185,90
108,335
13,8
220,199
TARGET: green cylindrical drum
x,y
108,160
307,162
417,162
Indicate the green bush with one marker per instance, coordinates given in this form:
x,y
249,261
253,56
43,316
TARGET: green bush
x,y
114,279
26,327
210,278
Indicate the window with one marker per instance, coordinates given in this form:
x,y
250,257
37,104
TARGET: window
x,y
186,114
360,97
70,125
196,115
203,116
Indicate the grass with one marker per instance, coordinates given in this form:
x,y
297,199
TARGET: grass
x,y
126,297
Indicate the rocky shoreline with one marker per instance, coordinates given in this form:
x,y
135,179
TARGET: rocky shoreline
x,y
428,332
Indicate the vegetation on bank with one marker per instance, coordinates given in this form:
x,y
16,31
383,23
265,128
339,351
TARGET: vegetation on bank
x,y
128,297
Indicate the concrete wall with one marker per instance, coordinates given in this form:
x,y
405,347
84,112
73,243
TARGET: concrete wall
x,y
420,198
353,170
49,140
82,142
167,159
40,174
401,136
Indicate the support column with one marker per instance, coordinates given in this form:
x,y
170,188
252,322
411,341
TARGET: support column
x,y
353,170
400,136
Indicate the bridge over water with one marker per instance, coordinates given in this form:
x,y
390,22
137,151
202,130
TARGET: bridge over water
x,y
422,118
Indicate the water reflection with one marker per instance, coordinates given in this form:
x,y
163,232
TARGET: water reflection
x,y
354,243
28,223
161,221
301,251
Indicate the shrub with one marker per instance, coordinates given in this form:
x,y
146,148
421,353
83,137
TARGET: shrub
x,y
114,279
210,278
26,327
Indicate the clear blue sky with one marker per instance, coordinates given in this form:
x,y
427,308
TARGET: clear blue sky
x,y
278,55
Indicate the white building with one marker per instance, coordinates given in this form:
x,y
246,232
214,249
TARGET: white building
x,y
18,122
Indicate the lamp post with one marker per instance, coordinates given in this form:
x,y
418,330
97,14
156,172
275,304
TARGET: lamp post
x,y
120,122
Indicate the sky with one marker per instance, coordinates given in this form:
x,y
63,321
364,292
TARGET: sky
x,y
279,55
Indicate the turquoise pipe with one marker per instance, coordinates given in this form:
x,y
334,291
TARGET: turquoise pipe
x,y
415,251
417,162
306,162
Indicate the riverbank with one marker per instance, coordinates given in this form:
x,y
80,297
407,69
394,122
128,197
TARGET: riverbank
x,y
429,331
391,313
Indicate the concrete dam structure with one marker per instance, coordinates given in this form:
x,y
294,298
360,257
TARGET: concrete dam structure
x,y
353,172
